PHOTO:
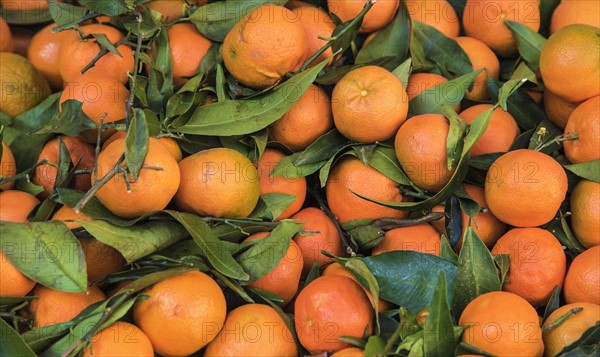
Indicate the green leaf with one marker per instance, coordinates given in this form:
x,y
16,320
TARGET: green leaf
x,y
286,168
385,161
266,254
447,252
402,72
211,246
42,338
160,75
445,52
364,152
502,261
241,117
46,252
69,121
530,43
322,149
553,303
438,331
359,269
12,343
391,41
103,40
139,240
136,143
478,128
544,137
547,7
591,338
454,141
588,170
220,84
215,20
312,274
526,112
106,7
508,89
477,272
93,208
467,204
332,74
585,350
449,93
375,346
560,229
64,14
408,278
271,205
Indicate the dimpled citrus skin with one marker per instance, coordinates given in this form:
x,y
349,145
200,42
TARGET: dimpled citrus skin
x,y
120,339
585,122
582,283
571,329
265,45
380,14
24,86
585,212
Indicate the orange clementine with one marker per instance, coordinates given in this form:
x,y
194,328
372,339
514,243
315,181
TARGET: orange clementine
x,y
43,53
500,134
75,54
188,48
379,15
152,191
582,283
8,166
350,175
284,279
55,306
558,109
249,52
277,184
349,352
13,282
503,324
421,238
537,263
484,20
182,314
369,104
575,12
218,182
120,339
569,62
68,216
570,329
169,143
318,26
421,150
80,152
308,119
170,10
585,122
486,225
7,43
330,307
524,188
15,206
326,238
253,330
483,58
436,13
101,97
419,82
585,212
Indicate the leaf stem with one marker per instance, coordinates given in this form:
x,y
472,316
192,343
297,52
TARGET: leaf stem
x,y
104,51
562,319
387,224
98,184
136,68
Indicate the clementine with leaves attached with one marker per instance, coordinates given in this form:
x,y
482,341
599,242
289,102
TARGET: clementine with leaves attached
x,y
55,306
8,166
120,339
77,53
537,263
582,283
421,150
325,237
484,20
349,352
502,324
265,45
82,157
330,307
182,314
152,191
369,104
525,188
277,184
584,122
483,58
188,47
284,279
15,206
377,17
218,182
169,143
350,177
585,212
569,63
308,119
501,133
43,52
421,238
558,335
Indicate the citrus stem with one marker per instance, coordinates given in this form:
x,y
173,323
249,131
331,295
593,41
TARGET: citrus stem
x,y
562,319
104,51
387,224
98,184
136,68
24,174
98,145
557,140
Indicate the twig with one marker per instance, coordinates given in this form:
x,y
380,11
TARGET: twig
x,y
136,68
98,146
98,184
104,51
387,224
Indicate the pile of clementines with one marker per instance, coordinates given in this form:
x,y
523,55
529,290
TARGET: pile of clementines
x,y
288,178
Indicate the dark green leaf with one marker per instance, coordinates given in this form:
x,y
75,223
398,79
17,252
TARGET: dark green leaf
x,y
467,204
105,43
438,331
110,8
220,85
391,41
139,240
477,272
12,343
215,20
553,303
384,160
408,278
265,255
285,167
454,141
530,43
484,162
42,338
478,128
46,252
312,274
545,137
526,112
136,143
333,74
375,346
503,263
449,93
508,89
94,208
69,121
359,269
64,14
402,72
240,117
591,338
446,251
322,149
458,6
271,205
588,170
547,7
160,76
364,152
585,350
